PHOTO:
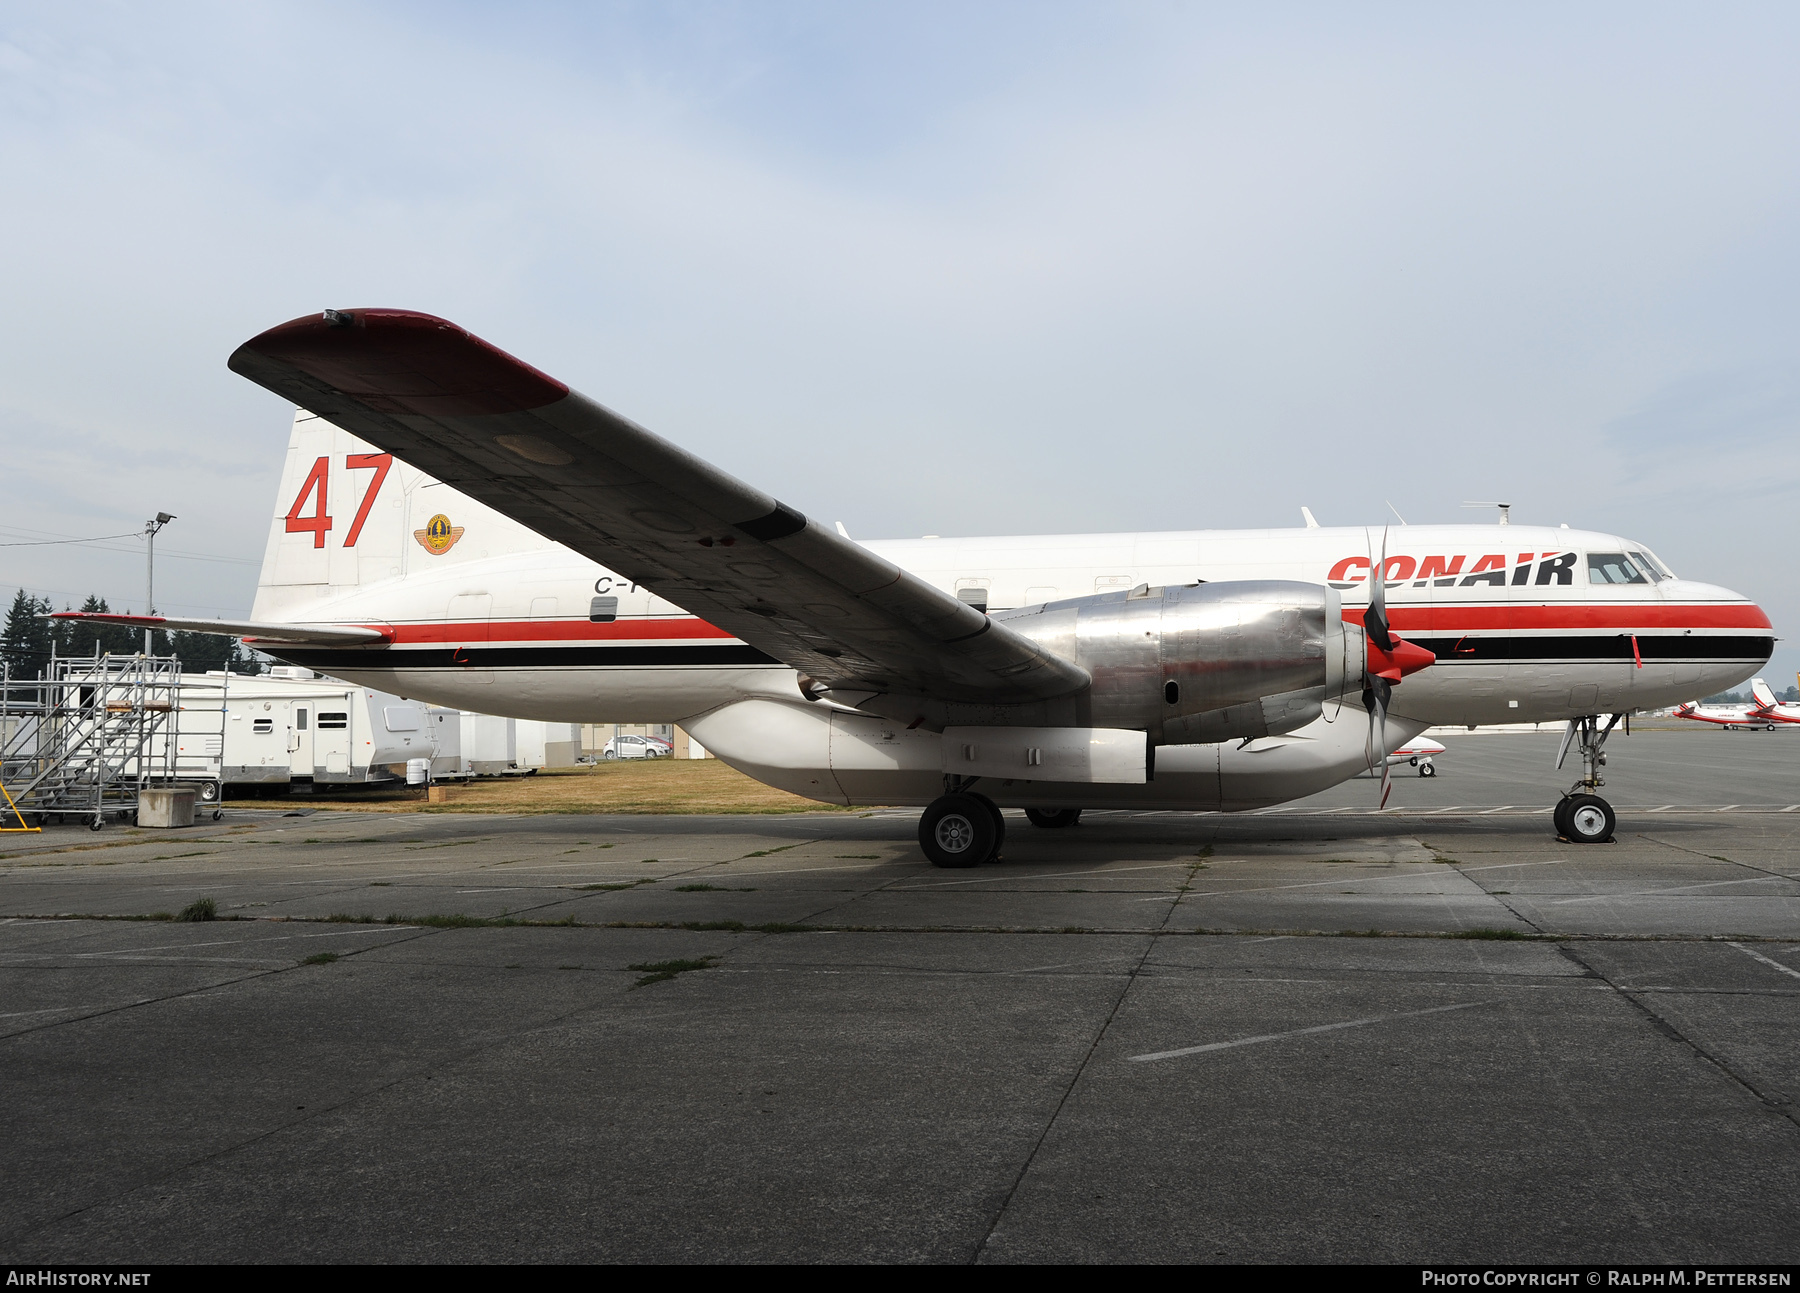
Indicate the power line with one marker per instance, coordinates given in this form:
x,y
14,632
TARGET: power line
x,y
58,538
44,543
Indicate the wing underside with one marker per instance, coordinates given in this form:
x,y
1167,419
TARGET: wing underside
x,y
525,445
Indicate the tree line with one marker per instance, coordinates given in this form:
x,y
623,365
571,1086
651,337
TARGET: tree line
x,y
27,642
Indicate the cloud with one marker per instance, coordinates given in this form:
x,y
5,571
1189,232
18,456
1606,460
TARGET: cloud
x,y
946,270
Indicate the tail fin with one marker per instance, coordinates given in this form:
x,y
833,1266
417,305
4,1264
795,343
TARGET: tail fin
x,y
348,516
1764,696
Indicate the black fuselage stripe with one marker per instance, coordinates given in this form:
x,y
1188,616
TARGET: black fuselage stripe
x,y
1661,650
1716,648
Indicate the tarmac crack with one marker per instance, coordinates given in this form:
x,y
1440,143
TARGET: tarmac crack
x,y
150,1179
1131,977
1774,1101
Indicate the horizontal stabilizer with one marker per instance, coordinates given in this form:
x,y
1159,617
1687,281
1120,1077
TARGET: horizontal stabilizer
x,y
250,630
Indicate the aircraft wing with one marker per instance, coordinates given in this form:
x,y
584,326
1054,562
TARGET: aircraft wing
x,y
249,630
526,445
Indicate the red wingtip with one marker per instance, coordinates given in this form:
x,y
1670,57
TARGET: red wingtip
x,y
403,361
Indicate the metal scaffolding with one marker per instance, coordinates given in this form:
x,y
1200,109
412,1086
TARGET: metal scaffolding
x,y
88,736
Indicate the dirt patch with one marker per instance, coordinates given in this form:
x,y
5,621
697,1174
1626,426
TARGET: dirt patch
x,y
637,786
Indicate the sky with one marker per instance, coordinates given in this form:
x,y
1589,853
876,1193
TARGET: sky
x,y
931,268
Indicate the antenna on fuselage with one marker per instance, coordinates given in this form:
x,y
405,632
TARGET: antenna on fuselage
x,y
1505,509
1394,510
1306,514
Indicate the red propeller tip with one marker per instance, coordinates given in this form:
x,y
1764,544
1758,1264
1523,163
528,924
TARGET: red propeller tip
x,y
1404,659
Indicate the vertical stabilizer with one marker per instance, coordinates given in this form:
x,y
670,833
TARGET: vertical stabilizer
x,y
348,515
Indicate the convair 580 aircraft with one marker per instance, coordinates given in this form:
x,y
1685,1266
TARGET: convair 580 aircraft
x,y
1763,711
456,526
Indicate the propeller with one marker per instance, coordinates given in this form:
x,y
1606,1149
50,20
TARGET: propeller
x,y
1389,660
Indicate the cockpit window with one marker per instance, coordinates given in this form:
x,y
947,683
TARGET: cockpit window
x,y
1643,563
1612,568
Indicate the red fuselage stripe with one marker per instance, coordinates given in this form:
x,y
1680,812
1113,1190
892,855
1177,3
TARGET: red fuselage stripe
x,y
1425,619
1475,619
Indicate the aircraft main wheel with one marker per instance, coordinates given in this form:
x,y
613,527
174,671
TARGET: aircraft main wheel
x,y
1561,816
999,824
958,831
1052,819
1588,819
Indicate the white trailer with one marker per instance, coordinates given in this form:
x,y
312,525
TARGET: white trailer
x,y
446,741
546,745
294,727
489,745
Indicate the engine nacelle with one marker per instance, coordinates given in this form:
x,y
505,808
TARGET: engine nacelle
x,y
1204,662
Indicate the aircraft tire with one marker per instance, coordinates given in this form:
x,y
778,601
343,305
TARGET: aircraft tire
x,y
1588,819
1052,818
957,831
999,824
1427,770
1560,816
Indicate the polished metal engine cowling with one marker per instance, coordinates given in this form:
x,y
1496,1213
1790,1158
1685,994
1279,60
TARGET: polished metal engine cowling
x,y
1204,662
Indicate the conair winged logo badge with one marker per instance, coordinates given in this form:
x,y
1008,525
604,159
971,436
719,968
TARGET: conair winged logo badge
x,y
440,536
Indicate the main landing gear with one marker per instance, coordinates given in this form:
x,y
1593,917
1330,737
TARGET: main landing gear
x,y
1582,817
961,828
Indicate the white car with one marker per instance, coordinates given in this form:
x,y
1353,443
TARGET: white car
x,y
637,747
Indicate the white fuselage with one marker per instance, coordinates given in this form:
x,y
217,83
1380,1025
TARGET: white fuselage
x,y
499,621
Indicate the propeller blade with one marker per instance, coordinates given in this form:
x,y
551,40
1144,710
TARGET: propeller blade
x,y
1375,698
1375,620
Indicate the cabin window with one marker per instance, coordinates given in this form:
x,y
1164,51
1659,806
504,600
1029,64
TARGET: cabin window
x,y
603,610
1172,692
262,726
1612,568
333,721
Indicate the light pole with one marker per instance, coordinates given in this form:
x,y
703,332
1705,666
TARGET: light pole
x,y
150,529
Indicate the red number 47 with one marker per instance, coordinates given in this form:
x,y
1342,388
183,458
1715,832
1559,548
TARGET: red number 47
x,y
317,486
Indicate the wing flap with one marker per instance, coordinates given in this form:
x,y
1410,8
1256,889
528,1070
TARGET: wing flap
x,y
578,473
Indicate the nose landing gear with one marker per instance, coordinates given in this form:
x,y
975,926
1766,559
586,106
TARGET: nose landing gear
x,y
1582,817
